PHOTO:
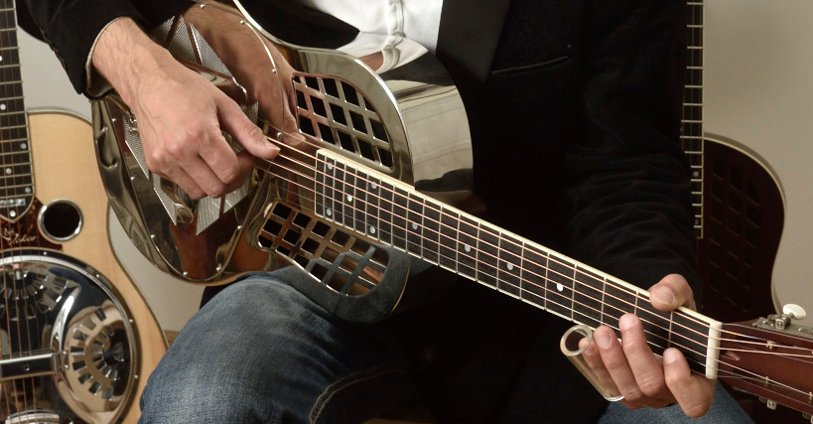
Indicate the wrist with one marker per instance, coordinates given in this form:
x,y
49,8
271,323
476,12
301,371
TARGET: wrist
x,y
124,55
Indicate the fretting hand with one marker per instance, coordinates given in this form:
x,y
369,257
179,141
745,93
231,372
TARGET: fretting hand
x,y
640,376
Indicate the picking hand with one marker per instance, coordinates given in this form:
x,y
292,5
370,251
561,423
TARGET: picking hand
x,y
640,376
181,115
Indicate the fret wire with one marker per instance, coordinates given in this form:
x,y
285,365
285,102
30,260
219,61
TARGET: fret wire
x,y
548,269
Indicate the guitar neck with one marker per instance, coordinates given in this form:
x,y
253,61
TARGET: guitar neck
x,y
691,133
15,154
386,211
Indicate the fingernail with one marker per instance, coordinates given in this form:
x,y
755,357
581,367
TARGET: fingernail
x,y
670,356
603,339
663,295
626,322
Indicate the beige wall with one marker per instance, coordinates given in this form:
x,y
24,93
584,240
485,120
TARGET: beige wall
x,y
46,86
759,91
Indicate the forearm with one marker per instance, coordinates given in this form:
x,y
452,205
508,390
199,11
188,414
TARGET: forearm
x,y
124,55
71,27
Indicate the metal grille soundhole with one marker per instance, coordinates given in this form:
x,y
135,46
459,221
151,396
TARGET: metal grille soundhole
x,y
334,112
339,260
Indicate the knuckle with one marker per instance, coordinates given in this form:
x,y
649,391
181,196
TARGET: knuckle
x,y
633,395
651,385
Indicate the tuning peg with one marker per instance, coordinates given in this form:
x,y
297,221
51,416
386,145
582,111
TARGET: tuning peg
x,y
794,311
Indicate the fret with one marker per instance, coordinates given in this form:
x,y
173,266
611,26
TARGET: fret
x,y
399,222
10,56
16,190
692,112
385,194
321,189
489,261
511,263
655,323
10,73
415,230
431,239
370,197
14,134
618,301
534,276
694,75
588,297
469,248
337,207
448,239
560,287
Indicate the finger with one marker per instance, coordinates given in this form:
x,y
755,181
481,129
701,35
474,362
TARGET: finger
x,y
185,182
236,123
616,364
672,292
645,366
220,158
593,359
204,177
693,392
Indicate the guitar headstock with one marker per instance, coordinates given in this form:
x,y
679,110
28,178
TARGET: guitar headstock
x,y
772,358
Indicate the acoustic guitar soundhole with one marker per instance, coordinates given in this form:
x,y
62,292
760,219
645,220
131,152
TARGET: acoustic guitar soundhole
x,y
332,111
743,222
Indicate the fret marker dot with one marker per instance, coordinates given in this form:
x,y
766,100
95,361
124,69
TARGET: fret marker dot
x,y
328,212
12,213
696,174
349,198
373,186
1,58
2,106
28,190
510,266
560,287
8,171
329,167
23,146
467,248
372,230
415,226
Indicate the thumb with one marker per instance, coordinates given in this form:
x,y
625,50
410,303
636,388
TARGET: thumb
x,y
235,122
672,292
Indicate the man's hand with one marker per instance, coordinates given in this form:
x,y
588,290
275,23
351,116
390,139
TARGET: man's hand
x,y
636,372
180,114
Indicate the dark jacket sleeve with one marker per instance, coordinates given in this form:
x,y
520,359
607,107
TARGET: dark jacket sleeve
x,y
71,26
630,187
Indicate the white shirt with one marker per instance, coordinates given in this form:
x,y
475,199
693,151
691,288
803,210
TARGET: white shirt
x,y
387,26
418,20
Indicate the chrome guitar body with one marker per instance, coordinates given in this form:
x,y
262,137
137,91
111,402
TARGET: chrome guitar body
x,y
404,119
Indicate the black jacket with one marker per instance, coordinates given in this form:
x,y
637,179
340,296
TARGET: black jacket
x,y
575,112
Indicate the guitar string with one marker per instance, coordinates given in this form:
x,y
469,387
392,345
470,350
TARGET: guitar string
x,y
745,374
441,213
8,278
590,297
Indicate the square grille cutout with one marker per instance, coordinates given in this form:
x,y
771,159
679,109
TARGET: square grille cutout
x,y
334,112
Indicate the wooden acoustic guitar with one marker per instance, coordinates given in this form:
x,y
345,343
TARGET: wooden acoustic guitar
x,y
738,202
348,201
77,340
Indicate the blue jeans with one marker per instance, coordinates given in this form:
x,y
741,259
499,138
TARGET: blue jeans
x,y
262,352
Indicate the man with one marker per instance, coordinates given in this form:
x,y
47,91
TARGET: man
x,y
574,109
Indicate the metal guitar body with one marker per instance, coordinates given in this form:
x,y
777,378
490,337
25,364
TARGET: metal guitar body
x,y
404,119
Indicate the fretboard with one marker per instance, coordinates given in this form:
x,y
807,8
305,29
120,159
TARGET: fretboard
x,y
17,192
385,211
692,120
